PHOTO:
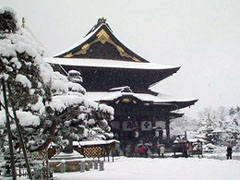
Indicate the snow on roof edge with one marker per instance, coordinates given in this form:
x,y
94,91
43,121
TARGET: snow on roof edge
x,y
167,96
107,63
79,42
105,96
96,142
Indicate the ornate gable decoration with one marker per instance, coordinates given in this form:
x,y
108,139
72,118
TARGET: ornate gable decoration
x,y
104,36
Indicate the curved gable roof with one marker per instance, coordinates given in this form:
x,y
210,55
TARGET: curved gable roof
x,y
100,43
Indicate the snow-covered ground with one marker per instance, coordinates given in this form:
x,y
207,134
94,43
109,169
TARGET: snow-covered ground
x,y
166,168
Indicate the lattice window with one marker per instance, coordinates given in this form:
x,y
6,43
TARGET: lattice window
x,y
93,151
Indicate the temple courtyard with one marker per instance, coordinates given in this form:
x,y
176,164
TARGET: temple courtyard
x,y
160,168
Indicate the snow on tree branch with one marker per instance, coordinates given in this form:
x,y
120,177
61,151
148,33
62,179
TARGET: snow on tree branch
x,y
44,97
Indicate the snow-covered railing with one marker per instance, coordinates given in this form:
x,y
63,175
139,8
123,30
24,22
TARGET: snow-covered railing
x,y
82,165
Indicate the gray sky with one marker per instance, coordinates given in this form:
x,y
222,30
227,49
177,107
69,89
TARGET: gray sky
x,y
202,36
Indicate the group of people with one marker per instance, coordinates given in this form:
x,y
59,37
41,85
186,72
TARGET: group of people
x,y
144,151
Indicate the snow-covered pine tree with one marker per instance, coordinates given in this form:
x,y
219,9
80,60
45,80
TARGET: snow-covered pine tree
x,y
79,117
226,121
232,125
218,127
206,124
22,69
48,105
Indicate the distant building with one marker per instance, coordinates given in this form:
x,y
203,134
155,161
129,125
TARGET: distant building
x,y
114,75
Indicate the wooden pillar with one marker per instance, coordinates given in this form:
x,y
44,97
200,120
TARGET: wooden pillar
x,y
121,129
168,128
154,117
120,119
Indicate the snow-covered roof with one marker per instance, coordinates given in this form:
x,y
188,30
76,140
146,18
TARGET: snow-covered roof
x,y
81,41
91,143
106,63
66,156
109,96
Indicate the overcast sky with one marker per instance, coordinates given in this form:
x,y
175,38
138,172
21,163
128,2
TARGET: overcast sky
x,y
202,36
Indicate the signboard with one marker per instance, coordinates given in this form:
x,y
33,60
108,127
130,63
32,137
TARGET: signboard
x,y
127,125
146,125
161,124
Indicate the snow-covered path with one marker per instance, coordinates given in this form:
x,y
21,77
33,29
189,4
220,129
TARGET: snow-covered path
x,y
167,169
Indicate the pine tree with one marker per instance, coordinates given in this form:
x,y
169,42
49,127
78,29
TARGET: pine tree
x,y
28,93
49,105
82,119
217,126
223,123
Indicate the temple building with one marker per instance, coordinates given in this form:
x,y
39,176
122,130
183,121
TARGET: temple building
x,y
114,75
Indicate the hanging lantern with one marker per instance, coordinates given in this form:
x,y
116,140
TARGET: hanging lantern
x,y
136,134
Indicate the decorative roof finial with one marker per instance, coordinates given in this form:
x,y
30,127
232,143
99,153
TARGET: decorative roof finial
x,y
101,20
23,22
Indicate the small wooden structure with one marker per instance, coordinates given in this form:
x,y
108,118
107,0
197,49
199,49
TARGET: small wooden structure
x,y
195,147
180,147
96,149
188,147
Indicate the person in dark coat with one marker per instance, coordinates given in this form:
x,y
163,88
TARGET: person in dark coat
x,y
185,149
146,151
229,152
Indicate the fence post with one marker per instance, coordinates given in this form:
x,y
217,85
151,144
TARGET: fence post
x,y
63,167
82,166
95,164
101,166
90,164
